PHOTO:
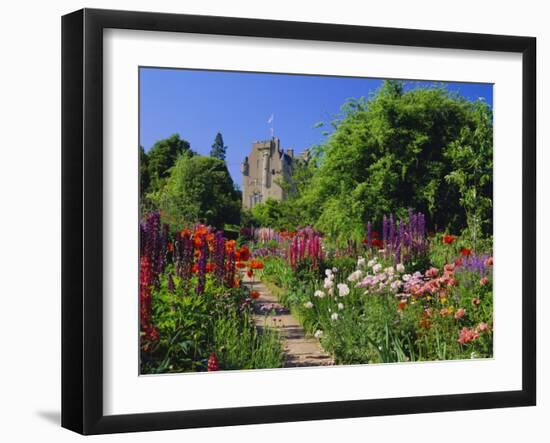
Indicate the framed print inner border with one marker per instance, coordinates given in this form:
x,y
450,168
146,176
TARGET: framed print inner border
x,y
82,220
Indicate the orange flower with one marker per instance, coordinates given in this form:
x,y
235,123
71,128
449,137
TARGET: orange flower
x,y
236,283
171,247
201,230
402,304
254,294
198,242
240,265
195,268
210,267
229,245
256,264
185,233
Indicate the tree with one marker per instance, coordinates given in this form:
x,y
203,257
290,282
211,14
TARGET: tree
x,y
218,148
398,150
143,172
162,156
199,189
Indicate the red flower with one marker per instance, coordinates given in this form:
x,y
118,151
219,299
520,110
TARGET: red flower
x,y
375,234
465,252
240,265
250,273
195,268
213,363
256,264
254,294
210,267
448,239
244,253
377,243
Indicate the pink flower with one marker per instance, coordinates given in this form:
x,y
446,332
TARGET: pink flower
x,y
467,335
449,267
484,281
432,272
483,327
476,301
488,261
461,312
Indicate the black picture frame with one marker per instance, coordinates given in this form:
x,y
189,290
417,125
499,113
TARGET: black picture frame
x,y
82,215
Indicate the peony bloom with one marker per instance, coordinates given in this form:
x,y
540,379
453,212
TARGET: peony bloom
x,y
360,262
328,283
340,306
488,261
461,312
334,317
432,272
377,268
400,267
328,272
308,305
449,267
372,262
484,281
356,275
318,333
483,327
319,293
389,270
406,277
343,289
467,335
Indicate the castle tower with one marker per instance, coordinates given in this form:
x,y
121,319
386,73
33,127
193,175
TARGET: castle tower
x,y
263,169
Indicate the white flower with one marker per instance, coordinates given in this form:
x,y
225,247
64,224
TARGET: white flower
x,y
335,270
343,289
371,263
340,306
334,316
356,275
389,270
308,305
377,268
400,268
360,262
406,277
331,291
319,293
318,333
328,283
328,272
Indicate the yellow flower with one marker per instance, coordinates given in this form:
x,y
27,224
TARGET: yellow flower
x,y
443,300
429,297
450,309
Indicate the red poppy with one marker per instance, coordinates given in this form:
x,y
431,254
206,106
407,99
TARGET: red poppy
x,y
210,267
465,252
458,262
195,268
250,273
375,234
256,264
236,283
254,294
448,239
377,243
244,253
171,247
240,265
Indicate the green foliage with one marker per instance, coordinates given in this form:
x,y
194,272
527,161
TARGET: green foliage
x,y
424,148
161,157
218,148
199,189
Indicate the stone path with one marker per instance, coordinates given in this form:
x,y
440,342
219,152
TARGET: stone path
x,y
299,350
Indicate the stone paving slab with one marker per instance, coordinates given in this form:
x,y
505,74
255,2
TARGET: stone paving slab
x,y
299,349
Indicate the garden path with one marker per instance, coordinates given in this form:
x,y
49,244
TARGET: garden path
x,y
299,350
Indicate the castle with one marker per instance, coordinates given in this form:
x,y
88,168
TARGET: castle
x,y
265,168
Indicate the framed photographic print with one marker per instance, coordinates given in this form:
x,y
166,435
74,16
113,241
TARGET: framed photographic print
x,y
343,214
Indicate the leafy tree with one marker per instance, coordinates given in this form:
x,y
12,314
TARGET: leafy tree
x,y
395,151
143,172
199,189
162,156
218,148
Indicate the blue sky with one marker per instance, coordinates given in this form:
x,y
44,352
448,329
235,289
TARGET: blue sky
x,y
196,104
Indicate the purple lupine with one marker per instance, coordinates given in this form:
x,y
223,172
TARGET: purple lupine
x,y
171,286
201,265
391,231
219,256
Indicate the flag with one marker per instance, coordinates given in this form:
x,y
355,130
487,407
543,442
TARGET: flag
x,y
271,119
